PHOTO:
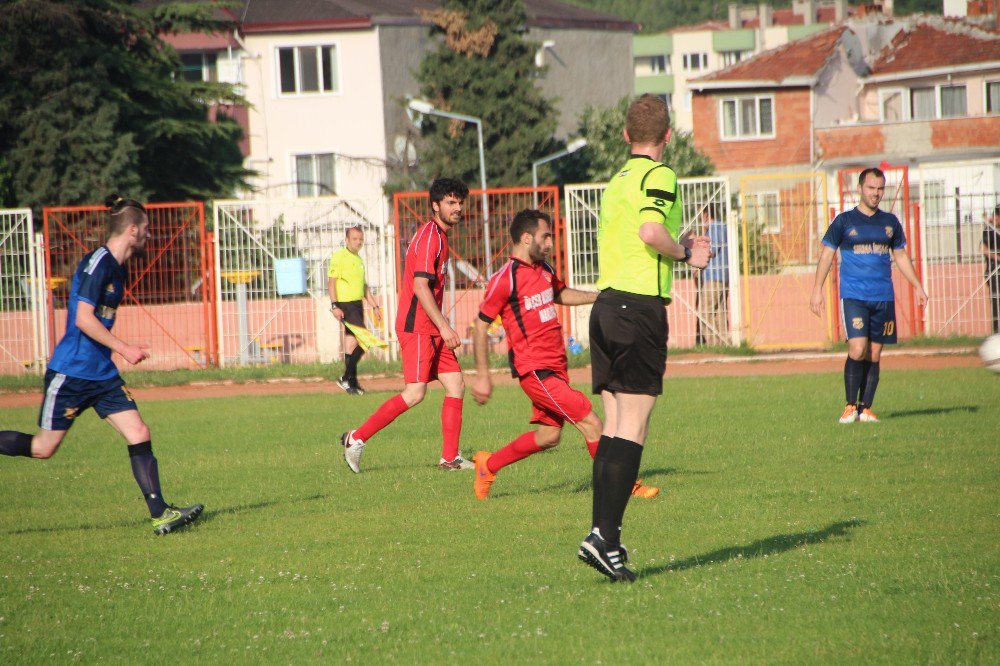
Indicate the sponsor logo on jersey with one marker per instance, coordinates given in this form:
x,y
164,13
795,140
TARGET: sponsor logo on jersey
x,y
858,323
888,232
110,288
852,232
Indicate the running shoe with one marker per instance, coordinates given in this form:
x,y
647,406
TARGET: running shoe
x,y
484,477
850,414
353,447
176,516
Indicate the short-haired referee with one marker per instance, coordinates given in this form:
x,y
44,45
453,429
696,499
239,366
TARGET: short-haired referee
x,y
640,220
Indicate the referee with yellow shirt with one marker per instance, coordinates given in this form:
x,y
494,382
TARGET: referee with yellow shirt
x,y
348,290
640,220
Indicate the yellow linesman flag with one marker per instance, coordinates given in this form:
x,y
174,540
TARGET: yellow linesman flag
x,y
366,338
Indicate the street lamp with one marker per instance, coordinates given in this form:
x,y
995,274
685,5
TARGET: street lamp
x,y
425,107
571,147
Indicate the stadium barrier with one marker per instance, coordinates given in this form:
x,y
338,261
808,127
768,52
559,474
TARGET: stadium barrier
x,y
479,245
23,324
168,301
271,259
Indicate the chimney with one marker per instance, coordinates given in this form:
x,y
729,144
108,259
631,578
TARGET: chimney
x,y
887,8
766,14
808,12
839,10
734,16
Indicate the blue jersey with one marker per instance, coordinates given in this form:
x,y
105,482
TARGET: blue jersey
x,y
866,244
718,266
100,281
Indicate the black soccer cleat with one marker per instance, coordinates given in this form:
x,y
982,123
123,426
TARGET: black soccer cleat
x,y
176,516
611,563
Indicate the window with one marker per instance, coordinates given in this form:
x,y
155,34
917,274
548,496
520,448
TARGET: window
x,y
308,69
993,97
953,101
747,117
198,67
730,58
934,200
891,105
315,175
922,104
695,61
668,99
763,210
652,65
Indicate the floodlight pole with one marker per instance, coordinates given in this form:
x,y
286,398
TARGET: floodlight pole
x,y
571,147
422,106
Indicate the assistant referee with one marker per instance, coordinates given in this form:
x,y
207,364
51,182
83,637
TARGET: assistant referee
x,y
348,291
640,220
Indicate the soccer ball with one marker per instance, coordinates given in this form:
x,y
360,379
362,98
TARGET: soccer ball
x,y
989,351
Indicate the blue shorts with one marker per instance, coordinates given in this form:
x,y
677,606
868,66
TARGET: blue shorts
x,y
68,397
875,320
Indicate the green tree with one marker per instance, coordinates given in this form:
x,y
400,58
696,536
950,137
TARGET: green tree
x,y
606,149
483,67
89,103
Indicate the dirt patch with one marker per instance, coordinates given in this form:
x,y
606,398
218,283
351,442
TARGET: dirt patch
x,y
680,366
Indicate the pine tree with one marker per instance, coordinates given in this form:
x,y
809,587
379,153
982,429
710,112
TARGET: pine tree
x,y
483,67
89,104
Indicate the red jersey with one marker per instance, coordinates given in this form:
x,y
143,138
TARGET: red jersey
x,y
426,257
524,297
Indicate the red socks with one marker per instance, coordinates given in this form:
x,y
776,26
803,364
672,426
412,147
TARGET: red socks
x,y
520,448
592,448
382,417
451,427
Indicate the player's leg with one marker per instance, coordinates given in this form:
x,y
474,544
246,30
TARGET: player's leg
x,y
883,326
857,324
350,345
415,351
354,313
453,382
117,407
42,444
65,399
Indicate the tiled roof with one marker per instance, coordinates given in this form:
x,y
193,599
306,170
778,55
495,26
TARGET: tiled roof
x,y
317,14
801,58
937,43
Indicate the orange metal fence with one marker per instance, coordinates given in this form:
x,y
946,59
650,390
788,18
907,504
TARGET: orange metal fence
x,y
169,299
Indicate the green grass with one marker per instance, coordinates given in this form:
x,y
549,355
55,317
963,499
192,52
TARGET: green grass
x,y
780,535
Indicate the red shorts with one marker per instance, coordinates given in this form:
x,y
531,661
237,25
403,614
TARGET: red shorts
x,y
553,400
425,357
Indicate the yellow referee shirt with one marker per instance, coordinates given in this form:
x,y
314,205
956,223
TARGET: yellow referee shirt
x,y
349,271
644,190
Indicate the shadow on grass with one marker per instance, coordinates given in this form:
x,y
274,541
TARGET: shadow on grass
x,y
932,411
205,517
649,477
769,546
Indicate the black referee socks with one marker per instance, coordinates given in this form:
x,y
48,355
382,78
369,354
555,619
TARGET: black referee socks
x,y
614,477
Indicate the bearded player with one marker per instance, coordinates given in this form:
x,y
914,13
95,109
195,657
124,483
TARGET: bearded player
x,y
524,294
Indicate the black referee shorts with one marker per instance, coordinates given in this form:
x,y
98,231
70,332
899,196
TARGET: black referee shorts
x,y
354,313
628,343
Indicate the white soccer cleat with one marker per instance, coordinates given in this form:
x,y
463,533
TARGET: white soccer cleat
x,y
850,414
458,463
353,447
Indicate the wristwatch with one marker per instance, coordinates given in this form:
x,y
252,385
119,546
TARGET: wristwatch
x,y
687,255
334,305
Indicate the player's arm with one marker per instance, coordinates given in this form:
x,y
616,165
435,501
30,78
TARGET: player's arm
x,y
575,297
905,266
482,385
422,290
370,298
91,326
331,286
660,198
822,270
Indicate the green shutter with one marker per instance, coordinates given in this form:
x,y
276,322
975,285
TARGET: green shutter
x,y
800,31
733,40
658,84
652,45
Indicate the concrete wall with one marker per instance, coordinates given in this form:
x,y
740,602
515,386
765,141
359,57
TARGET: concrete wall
x,y
584,67
348,122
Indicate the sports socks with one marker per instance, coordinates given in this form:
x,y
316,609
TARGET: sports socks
x,y
147,475
351,365
592,447
14,443
451,426
871,383
616,468
520,448
853,372
382,417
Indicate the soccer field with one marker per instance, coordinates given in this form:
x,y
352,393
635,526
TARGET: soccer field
x,y
780,535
